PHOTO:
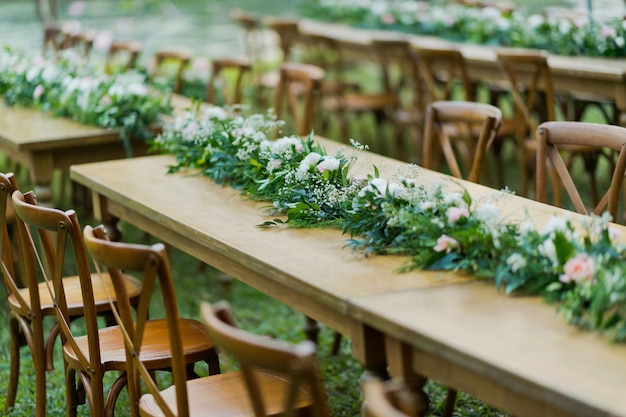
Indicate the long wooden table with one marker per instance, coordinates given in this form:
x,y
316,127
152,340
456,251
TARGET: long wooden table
x,y
515,353
603,77
44,143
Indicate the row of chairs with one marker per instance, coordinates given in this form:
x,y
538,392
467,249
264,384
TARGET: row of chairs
x,y
274,377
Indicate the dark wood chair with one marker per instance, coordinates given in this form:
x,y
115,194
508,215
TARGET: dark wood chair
x,y
553,137
390,398
122,56
300,86
169,66
225,86
452,124
45,236
30,303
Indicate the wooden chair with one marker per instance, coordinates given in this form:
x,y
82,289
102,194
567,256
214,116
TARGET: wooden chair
x,y
382,104
122,56
171,65
214,395
30,303
553,137
251,25
225,84
300,85
299,387
390,398
452,124
88,357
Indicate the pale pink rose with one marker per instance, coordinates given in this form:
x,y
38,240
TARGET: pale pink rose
x,y
455,213
579,268
106,100
388,19
103,40
446,243
38,91
614,234
608,32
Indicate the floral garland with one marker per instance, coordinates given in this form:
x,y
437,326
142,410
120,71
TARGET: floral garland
x,y
488,25
68,87
580,266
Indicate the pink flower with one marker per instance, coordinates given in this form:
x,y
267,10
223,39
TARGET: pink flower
x,y
38,91
102,41
446,243
388,19
579,268
106,100
455,213
608,32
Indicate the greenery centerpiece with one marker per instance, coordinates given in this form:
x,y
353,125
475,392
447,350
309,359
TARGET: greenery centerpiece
x,y
564,35
68,86
581,266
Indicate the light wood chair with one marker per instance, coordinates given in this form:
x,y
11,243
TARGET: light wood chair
x,y
300,86
170,66
213,395
453,125
531,87
45,236
30,303
553,137
122,56
225,86
297,387
390,398
252,36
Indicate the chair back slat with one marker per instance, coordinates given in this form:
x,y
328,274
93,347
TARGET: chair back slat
x,y
221,73
444,68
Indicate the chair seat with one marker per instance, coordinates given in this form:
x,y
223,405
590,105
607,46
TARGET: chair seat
x,y
226,395
74,296
155,352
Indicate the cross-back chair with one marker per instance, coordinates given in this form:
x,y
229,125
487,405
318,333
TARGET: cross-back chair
x,y
46,236
170,65
30,302
300,86
213,395
225,85
251,25
452,124
389,398
553,137
81,42
299,389
122,56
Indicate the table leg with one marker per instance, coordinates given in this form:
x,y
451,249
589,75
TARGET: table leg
x,y
400,366
41,174
312,329
110,222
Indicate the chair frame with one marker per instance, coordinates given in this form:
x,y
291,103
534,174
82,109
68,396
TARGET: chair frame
x,y
182,59
554,135
241,65
299,83
132,48
459,113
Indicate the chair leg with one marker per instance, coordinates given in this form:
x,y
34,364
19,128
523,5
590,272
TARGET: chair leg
x,y
450,401
71,392
114,393
336,344
54,332
312,329
15,364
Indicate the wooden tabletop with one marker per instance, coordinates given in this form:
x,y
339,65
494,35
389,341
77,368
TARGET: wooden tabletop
x,y
513,350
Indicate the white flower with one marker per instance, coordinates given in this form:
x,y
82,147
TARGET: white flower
x,y
215,112
397,191
516,261
329,163
548,250
556,224
137,89
380,185
310,160
274,164
488,213
454,199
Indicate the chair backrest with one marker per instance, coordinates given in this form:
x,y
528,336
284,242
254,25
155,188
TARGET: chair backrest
x,y
225,84
153,265
450,121
122,56
171,64
388,399
287,31
530,84
301,85
552,136
443,70
8,184
45,235
251,25
397,68
296,363
81,42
